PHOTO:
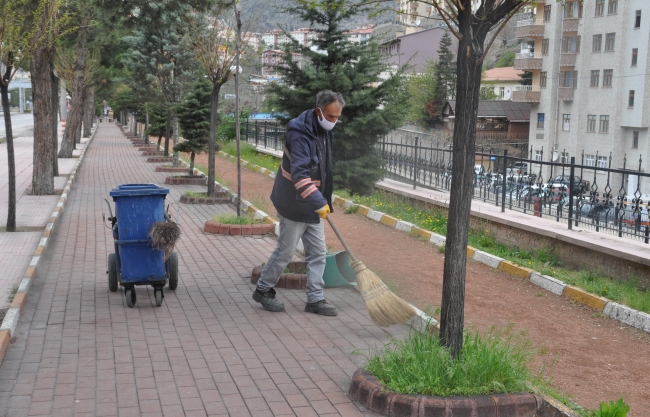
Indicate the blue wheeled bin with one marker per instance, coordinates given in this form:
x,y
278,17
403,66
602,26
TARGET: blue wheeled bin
x,y
135,261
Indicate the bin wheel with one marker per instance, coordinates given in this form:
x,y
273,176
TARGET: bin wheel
x,y
158,294
173,271
112,273
130,297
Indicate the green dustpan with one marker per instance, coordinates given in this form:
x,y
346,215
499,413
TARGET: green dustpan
x,y
338,272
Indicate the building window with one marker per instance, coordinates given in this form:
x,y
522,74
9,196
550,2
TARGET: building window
x,y
630,99
540,120
564,158
590,160
604,124
542,79
573,10
637,19
566,122
635,139
596,45
569,79
610,39
595,78
547,13
607,77
545,46
591,123
502,92
635,56
612,7
602,162
571,44
538,155
600,7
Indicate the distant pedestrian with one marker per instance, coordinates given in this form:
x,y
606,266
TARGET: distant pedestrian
x,y
302,196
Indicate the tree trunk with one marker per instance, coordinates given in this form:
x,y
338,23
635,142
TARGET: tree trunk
x,y
76,110
237,129
192,155
212,142
159,140
168,131
11,209
55,122
41,67
467,97
146,127
176,162
89,110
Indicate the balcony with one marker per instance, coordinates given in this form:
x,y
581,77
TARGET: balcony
x,y
570,25
566,93
529,28
567,59
528,61
527,94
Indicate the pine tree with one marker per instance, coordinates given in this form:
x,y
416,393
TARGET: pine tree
x,y
194,121
157,120
445,79
373,107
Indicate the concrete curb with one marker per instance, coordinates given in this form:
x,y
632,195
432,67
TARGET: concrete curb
x,y
8,326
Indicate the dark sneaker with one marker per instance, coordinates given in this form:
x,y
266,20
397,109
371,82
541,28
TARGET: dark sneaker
x,y
321,307
268,301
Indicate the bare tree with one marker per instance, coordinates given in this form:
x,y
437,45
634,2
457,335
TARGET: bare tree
x,y
213,41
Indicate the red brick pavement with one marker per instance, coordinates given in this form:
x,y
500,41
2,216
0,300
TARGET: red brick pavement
x,y
209,350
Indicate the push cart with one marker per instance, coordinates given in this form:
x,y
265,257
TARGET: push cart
x,y
135,261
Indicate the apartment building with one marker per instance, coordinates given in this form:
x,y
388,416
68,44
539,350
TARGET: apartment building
x,y
591,89
412,12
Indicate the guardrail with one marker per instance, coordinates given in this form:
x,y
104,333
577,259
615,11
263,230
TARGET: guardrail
x,y
599,198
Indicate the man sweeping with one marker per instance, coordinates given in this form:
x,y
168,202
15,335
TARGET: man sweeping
x,y
302,196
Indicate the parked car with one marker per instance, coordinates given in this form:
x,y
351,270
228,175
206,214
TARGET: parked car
x,y
579,185
601,211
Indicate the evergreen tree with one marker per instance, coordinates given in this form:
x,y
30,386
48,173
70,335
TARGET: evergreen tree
x,y
421,89
157,121
194,121
373,107
445,79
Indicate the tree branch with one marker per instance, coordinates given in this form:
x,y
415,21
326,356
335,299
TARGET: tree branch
x,y
502,21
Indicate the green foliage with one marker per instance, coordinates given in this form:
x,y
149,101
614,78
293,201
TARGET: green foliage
x,y
611,409
232,219
446,75
248,153
157,120
353,209
421,89
492,362
194,118
373,107
125,99
487,93
226,127
507,60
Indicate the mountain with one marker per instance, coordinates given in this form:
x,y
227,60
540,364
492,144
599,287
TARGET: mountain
x,y
269,14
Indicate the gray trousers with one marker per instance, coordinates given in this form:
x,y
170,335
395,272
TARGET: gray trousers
x,y
313,239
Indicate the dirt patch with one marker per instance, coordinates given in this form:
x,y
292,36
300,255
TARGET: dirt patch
x,y
589,356
3,313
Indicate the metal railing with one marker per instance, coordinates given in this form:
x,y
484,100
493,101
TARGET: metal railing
x,y
599,198
529,22
525,55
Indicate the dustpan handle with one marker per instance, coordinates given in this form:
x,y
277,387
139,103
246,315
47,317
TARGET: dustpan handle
x,y
336,232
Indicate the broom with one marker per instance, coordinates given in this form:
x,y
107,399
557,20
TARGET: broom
x,y
384,307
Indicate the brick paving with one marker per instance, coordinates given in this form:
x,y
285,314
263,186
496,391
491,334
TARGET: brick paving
x,y
209,350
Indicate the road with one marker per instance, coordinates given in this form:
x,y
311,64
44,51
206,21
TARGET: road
x,y
21,124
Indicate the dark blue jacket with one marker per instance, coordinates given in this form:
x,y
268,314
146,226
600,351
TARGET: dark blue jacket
x,y
303,184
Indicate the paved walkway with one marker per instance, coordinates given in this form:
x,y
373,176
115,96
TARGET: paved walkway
x,y
32,213
209,350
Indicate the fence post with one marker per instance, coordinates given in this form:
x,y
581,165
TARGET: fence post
x,y
265,144
415,163
647,234
571,187
503,184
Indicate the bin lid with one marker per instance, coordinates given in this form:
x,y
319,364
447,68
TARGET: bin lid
x,y
126,190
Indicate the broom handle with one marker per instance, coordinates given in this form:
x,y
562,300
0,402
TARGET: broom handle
x,y
336,232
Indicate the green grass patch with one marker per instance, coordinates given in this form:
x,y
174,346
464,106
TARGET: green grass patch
x,y
427,218
12,293
232,219
260,202
3,140
196,194
492,362
353,209
248,153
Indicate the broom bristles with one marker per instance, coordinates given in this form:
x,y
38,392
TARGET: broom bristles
x,y
384,307
164,236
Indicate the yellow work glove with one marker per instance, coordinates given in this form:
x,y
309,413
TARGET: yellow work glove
x,y
323,211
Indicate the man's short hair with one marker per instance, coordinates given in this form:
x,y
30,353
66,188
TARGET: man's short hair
x,y
326,97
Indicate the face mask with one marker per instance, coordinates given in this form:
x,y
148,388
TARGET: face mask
x,y
324,123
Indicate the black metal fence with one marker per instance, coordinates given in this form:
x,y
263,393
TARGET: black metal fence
x,y
588,195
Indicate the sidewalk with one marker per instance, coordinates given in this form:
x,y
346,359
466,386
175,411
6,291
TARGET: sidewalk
x,y
209,350
32,212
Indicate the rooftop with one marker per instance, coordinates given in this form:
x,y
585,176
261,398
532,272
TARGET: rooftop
x,y
503,74
511,110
